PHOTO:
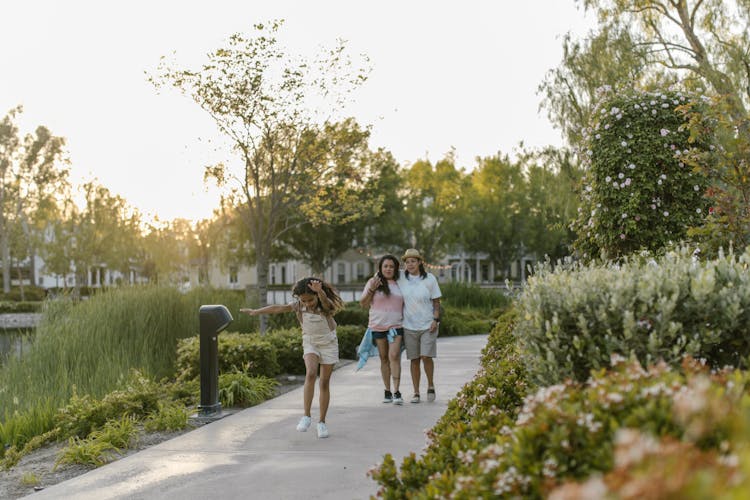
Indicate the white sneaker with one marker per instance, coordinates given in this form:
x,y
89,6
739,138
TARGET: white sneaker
x,y
322,430
304,423
397,399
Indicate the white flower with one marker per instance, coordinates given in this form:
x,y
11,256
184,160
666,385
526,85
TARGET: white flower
x,y
608,179
659,182
664,176
664,132
696,188
620,175
624,144
624,216
653,111
666,214
631,166
698,210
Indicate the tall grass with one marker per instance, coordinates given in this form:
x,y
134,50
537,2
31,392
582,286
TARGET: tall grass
x,y
93,344
462,295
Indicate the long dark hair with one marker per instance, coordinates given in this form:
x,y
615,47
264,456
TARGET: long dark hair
x,y
422,271
303,287
383,281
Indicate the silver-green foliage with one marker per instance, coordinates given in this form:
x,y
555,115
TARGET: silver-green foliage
x,y
575,317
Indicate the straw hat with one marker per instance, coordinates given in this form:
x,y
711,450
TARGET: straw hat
x,y
412,253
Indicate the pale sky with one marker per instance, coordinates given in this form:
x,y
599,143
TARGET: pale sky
x,y
446,74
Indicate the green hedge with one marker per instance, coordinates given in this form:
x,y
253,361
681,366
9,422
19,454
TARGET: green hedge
x,y
7,306
247,353
575,317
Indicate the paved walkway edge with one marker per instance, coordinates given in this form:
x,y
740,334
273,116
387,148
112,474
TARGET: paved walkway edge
x,y
257,453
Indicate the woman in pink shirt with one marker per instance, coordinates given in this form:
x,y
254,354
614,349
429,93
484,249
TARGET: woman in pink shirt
x,y
383,297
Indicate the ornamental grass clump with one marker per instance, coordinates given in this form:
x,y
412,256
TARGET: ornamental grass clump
x,y
574,317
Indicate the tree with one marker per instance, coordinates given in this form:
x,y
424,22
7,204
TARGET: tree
x,y
165,247
31,179
650,43
269,105
433,206
498,190
104,232
552,176
318,240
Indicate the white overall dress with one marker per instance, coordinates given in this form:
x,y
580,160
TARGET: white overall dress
x,y
318,335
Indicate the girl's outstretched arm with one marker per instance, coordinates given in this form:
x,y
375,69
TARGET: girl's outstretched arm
x,y
272,309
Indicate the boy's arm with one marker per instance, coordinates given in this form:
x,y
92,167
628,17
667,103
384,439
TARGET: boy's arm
x,y
272,309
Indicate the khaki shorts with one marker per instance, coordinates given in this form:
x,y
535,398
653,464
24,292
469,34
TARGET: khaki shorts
x,y
420,343
326,348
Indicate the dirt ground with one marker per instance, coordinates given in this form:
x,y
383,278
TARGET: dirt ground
x,y
36,470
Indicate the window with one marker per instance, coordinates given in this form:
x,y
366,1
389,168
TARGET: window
x,y
341,273
360,270
283,274
233,275
272,272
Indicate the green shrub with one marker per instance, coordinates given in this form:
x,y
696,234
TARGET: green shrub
x,y
30,294
474,419
455,322
288,346
471,296
575,317
249,353
638,192
353,314
240,390
170,416
349,338
7,307
84,414
569,431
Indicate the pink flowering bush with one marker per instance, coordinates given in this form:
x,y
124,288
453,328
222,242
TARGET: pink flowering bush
x,y
474,420
563,438
638,192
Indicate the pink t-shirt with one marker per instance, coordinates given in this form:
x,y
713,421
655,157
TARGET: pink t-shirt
x,y
386,311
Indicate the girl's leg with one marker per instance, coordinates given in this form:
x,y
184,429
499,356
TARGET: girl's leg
x,y
325,390
394,356
311,367
385,369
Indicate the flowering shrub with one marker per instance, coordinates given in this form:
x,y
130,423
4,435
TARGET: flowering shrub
x,y
574,431
638,193
574,318
473,421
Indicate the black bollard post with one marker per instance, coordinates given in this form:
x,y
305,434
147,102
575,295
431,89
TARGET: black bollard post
x,y
213,319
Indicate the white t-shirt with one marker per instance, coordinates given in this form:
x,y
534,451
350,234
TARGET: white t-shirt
x,y
418,295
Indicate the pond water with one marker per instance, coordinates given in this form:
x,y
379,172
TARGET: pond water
x,y
14,343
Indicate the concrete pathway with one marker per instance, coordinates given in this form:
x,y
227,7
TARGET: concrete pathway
x,y
257,453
